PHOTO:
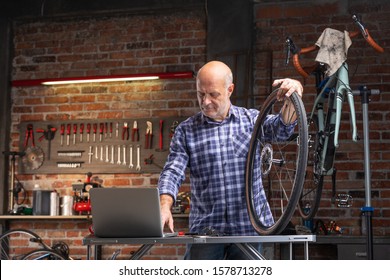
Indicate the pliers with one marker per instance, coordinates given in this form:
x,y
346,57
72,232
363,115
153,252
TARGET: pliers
x,y
148,135
135,132
29,134
125,131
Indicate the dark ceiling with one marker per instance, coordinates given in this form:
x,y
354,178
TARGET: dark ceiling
x,y
53,8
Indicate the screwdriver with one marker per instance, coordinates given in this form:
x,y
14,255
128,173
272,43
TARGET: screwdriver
x,y
74,133
68,127
81,132
88,131
62,132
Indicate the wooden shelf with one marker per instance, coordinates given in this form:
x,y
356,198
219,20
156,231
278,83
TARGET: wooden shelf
x,y
73,217
44,217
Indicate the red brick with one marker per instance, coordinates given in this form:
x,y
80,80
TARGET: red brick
x,y
56,99
96,107
82,98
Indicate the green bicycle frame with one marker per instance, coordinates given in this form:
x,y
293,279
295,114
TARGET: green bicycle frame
x,y
335,90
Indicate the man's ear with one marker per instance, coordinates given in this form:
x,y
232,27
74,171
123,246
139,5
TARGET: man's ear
x,y
230,89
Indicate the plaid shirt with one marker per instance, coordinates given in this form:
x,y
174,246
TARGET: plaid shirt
x,y
215,153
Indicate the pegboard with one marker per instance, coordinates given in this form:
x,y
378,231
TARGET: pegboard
x,y
111,146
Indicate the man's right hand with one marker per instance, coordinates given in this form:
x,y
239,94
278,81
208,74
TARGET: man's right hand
x,y
166,202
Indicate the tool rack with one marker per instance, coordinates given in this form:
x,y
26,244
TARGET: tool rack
x,y
98,146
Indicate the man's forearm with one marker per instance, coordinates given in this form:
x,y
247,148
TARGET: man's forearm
x,y
288,112
166,201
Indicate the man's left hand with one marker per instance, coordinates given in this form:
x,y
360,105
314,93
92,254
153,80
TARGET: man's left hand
x,y
287,87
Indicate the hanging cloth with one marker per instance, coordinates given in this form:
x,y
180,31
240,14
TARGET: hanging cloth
x,y
334,45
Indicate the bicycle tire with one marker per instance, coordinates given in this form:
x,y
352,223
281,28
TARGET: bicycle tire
x,y
44,254
310,199
15,243
283,175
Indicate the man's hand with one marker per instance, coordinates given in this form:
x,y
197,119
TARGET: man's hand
x,y
287,87
166,202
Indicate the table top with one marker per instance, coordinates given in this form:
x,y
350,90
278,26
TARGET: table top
x,y
193,239
348,239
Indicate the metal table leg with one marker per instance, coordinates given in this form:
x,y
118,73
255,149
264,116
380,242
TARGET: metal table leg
x,y
141,251
250,251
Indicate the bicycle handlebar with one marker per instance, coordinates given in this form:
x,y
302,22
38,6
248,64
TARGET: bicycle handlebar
x,y
296,51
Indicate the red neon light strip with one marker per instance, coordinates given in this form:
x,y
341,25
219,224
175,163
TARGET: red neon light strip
x,y
169,75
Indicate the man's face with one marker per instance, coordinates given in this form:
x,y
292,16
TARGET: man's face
x,y
214,97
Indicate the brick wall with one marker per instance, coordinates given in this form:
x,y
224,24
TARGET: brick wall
x,y
103,46
176,42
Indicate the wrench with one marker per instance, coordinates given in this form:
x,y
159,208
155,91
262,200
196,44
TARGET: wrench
x,y
124,155
90,154
131,165
96,152
112,155
107,159
101,153
138,168
119,155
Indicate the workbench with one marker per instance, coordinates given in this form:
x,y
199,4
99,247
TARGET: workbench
x,y
243,242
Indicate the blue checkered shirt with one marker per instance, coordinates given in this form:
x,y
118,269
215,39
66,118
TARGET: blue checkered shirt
x,y
215,153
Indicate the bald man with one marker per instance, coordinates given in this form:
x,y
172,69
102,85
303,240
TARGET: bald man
x,y
214,144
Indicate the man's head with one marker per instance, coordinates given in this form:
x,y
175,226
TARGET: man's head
x,y
214,86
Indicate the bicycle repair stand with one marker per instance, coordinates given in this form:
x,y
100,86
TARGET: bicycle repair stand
x,y
367,210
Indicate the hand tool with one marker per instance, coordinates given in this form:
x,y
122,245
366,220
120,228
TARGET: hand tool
x,y
101,153
107,158
34,158
148,135
125,131
74,133
69,164
48,135
62,132
112,154
101,129
119,155
105,130
81,132
90,154
96,152
110,129
88,131
131,165
117,130
70,153
94,131
173,128
68,127
124,155
149,160
138,167
161,137
135,132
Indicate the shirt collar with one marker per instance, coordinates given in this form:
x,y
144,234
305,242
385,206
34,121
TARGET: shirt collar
x,y
233,112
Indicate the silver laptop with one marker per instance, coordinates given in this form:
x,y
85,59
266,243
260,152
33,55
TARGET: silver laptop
x,y
126,212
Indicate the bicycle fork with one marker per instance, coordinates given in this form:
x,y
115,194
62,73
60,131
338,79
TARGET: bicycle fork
x,y
342,88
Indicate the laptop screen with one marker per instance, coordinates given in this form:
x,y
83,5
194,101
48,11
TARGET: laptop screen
x,y
126,212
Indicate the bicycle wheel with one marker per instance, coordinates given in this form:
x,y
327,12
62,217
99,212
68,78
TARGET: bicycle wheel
x,y
279,165
314,178
16,243
44,254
